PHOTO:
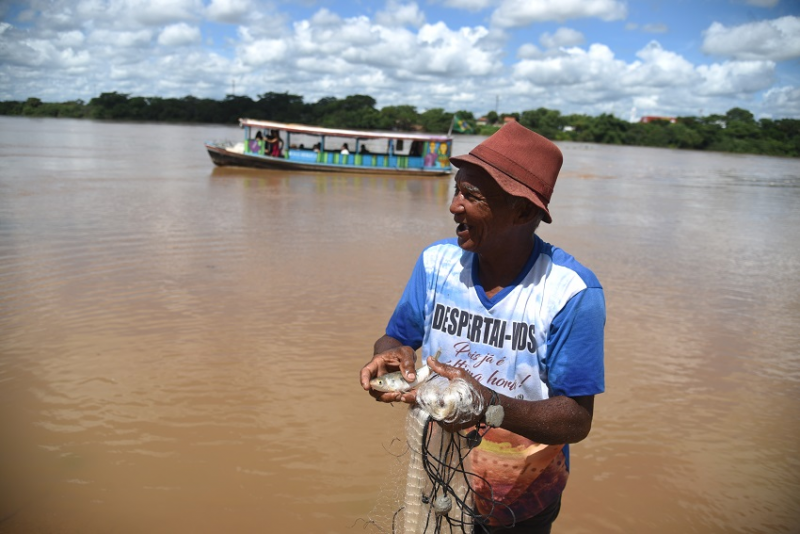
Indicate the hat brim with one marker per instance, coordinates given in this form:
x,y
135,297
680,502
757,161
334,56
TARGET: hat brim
x,y
506,182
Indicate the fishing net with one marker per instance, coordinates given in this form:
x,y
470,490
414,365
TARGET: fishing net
x,y
429,489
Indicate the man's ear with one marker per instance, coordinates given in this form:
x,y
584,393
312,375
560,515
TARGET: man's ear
x,y
528,212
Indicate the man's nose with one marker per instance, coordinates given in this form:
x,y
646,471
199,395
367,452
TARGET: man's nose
x,y
456,205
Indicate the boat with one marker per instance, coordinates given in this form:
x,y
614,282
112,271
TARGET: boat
x,y
276,145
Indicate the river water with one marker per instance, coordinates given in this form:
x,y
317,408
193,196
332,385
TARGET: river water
x,y
180,344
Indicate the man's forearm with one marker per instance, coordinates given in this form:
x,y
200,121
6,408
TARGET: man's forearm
x,y
551,421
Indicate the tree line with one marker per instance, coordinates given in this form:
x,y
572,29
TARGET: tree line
x,y
735,131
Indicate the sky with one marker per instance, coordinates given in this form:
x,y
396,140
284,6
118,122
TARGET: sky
x,y
628,58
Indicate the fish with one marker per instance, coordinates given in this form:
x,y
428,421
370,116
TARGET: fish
x,y
391,382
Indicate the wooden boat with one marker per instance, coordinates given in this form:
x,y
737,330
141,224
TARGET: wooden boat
x,y
275,145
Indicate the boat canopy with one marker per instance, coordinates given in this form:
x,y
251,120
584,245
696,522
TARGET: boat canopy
x,y
334,132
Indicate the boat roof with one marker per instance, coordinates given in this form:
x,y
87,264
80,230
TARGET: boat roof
x,y
361,134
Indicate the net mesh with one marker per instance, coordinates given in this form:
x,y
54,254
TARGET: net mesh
x,y
429,486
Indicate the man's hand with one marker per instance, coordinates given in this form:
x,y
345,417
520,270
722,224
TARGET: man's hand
x,y
451,373
399,358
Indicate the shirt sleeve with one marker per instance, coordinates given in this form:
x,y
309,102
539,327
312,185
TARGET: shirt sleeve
x,y
575,347
407,323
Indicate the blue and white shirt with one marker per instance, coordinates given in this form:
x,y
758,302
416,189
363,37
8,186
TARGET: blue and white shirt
x,y
540,337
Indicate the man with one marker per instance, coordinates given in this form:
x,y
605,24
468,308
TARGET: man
x,y
518,318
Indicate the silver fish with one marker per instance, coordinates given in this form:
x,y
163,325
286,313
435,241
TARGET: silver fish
x,y
395,382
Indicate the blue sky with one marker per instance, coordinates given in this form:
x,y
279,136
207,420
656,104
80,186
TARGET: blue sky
x,y
629,58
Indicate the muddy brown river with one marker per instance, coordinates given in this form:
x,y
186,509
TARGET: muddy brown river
x,y
180,344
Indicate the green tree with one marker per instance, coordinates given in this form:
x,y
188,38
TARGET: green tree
x,y
403,118
708,128
282,107
682,136
109,106
435,120
790,129
31,107
608,129
235,107
740,115
137,108
546,122
358,111
355,111
577,128
11,107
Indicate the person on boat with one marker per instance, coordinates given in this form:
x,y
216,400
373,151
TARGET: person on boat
x,y
363,150
345,149
257,143
517,318
274,144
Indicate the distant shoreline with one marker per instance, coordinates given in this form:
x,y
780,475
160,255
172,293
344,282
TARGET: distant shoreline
x,y
737,131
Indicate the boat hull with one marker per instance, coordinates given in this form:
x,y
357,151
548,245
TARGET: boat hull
x,y
223,156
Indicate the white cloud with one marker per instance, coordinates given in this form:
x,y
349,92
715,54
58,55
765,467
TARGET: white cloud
x,y
122,39
265,23
262,51
735,77
16,51
516,13
528,51
782,102
328,35
455,52
397,14
562,37
659,68
39,53
658,82
69,39
469,5
775,40
101,14
229,11
356,33
325,17
180,34
159,12
655,28
85,47
62,19
572,67
647,28
763,3
646,102
349,45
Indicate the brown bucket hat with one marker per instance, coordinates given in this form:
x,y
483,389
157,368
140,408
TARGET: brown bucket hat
x,y
522,162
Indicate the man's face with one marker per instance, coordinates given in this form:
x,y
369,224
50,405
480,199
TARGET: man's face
x,y
481,210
